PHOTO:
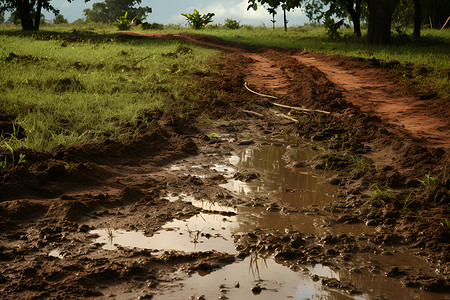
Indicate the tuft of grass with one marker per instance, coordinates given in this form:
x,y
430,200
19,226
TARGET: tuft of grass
x,y
360,163
380,195
428,182
408,201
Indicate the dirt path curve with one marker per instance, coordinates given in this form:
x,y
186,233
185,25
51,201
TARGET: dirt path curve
x,y
375,91
376,94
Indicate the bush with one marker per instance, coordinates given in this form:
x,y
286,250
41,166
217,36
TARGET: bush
x,y
123,23
149,26
198,21
232,24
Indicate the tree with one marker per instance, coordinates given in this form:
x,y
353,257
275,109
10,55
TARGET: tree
x,y
197,20
273,12
315,10
380,20
29,11
286,5
59,19
2,16
111,10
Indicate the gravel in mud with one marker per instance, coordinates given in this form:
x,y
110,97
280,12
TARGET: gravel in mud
x,y
379,222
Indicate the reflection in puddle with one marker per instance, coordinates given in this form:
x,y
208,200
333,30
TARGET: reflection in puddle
x,y
294,186
202,232
203,204
254,277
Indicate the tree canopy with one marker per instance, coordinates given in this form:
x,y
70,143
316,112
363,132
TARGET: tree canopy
x,y
29,11
110,10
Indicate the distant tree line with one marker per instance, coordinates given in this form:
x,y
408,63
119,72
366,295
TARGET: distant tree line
x,y
28,13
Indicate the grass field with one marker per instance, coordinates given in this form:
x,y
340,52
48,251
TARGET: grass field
x,y
68,84
70,88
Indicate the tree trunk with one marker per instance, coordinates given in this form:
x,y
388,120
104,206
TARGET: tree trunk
x,y
37,19
24,8
355,14
380,19
285,19
417,17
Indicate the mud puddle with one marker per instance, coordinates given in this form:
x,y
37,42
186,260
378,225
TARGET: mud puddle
x,y
202,232
271,191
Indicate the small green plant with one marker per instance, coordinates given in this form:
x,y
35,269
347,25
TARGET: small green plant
x,y
379,194
198,21
123,23
446,223
213,136
428,182
232,24
6,143
408,201
360,163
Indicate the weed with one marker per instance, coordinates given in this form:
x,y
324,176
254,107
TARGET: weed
x,y
446,223
231,24
408,201
110,232
428,182
255,256
213,136
122,22
205,120
360,163
325,151
380,195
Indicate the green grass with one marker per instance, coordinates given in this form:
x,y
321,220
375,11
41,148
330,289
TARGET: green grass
x,y
68,88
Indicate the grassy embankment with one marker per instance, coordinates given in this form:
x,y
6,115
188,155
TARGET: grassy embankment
x,y
72,88
424,62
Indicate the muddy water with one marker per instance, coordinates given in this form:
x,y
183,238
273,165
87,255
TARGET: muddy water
x,y
264,278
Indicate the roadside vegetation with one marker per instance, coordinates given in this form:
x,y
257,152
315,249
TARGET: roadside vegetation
x,y
60,88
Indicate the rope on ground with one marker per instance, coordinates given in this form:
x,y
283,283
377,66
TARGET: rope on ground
x,y
301,109
287,106
259,94
253,113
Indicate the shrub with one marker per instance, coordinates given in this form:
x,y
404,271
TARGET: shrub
x,y
232,24
123,23
198,21
148,26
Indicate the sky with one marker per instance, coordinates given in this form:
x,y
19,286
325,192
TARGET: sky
x,y
169,11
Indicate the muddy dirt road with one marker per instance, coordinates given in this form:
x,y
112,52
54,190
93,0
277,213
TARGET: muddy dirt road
x,y
261,202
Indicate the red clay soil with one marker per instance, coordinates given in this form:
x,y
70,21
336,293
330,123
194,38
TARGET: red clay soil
x,y
57,197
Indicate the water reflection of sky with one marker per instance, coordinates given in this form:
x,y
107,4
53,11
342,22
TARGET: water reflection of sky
x,y
298,187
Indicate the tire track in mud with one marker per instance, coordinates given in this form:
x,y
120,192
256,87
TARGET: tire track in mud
x,y
378,96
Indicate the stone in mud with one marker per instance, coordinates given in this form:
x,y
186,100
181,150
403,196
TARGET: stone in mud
x,y
297,242
335,180
299,164
256,290
246,142
395,272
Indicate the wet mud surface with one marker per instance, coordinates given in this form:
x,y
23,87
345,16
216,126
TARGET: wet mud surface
x,y
261,202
